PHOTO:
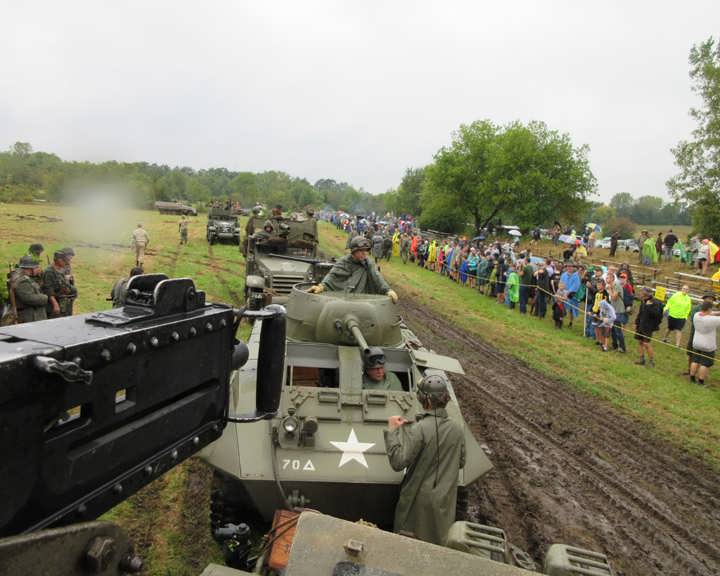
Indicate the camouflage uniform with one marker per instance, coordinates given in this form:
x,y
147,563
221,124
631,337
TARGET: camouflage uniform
x,y
429,451
29,300
56,284
391,382
183,226
357,277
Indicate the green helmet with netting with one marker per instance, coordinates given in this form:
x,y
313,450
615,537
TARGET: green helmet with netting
x,y
359,243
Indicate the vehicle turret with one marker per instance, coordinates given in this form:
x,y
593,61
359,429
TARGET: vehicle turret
x,y
343,319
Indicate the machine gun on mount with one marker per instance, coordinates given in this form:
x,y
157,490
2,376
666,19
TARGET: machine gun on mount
x,y
93,407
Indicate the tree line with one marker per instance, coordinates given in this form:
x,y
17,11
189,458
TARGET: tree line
x,y
26,175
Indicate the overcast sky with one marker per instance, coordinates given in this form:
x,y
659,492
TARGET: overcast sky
x,y
352,90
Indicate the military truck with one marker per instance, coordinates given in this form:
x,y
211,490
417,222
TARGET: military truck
x,y
175,208
222,226
96,406
325,447
280,252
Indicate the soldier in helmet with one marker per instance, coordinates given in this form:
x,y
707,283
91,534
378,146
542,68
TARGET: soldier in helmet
x,y
432,449
29,300
374,375
70,277
183,229
250,227
60,292
355,273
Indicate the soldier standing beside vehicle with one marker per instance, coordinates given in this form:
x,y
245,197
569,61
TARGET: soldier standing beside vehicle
x,y
355,273
140,240
30,302
432,449
183,228
58,289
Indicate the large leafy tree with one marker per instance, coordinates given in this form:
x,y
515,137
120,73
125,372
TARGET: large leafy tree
x,y
528,174
698,159
623,203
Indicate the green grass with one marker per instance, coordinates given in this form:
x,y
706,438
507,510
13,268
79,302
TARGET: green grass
x,y
678,410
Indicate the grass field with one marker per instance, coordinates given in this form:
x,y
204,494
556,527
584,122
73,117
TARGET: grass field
x,y
169,518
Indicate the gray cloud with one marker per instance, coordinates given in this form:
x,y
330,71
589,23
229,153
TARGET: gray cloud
x,y
356,91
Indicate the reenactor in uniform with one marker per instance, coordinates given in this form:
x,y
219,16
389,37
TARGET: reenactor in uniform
x,y
140,240
355,273
374,375
183,227
432,449
69,255
250,227
60,292
30,302
404,247
118,294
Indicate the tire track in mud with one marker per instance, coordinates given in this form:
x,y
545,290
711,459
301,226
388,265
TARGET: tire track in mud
x,y
570,468
237,299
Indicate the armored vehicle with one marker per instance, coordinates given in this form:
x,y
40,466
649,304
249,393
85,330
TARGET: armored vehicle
x,y
280,252
222,226
175,208
95,406
325,448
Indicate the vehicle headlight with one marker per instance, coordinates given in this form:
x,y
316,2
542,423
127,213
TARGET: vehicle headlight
x,y
290,424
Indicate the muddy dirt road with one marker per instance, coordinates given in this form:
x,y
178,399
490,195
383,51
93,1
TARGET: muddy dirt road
x,y
568,468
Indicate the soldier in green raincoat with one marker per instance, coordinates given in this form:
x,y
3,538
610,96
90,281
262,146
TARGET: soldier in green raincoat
x,y
355,273
432,449
29,299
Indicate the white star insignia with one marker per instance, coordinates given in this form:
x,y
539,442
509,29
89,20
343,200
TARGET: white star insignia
x,y
352,449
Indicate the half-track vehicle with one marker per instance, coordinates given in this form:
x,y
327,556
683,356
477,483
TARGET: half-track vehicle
x,y
96,406
222,226
175,208
279,253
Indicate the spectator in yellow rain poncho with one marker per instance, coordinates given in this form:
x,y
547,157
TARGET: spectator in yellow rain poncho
x,y
712,251
396,243
432,255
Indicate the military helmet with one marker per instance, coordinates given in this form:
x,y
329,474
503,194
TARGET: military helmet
x,y
60,255
36,248
433,388
374,357
359,243
257,210
68,251
28,262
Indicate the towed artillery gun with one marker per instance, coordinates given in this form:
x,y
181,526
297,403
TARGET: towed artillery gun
x,y
95,406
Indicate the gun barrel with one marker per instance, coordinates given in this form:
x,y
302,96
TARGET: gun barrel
x,y
354,327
